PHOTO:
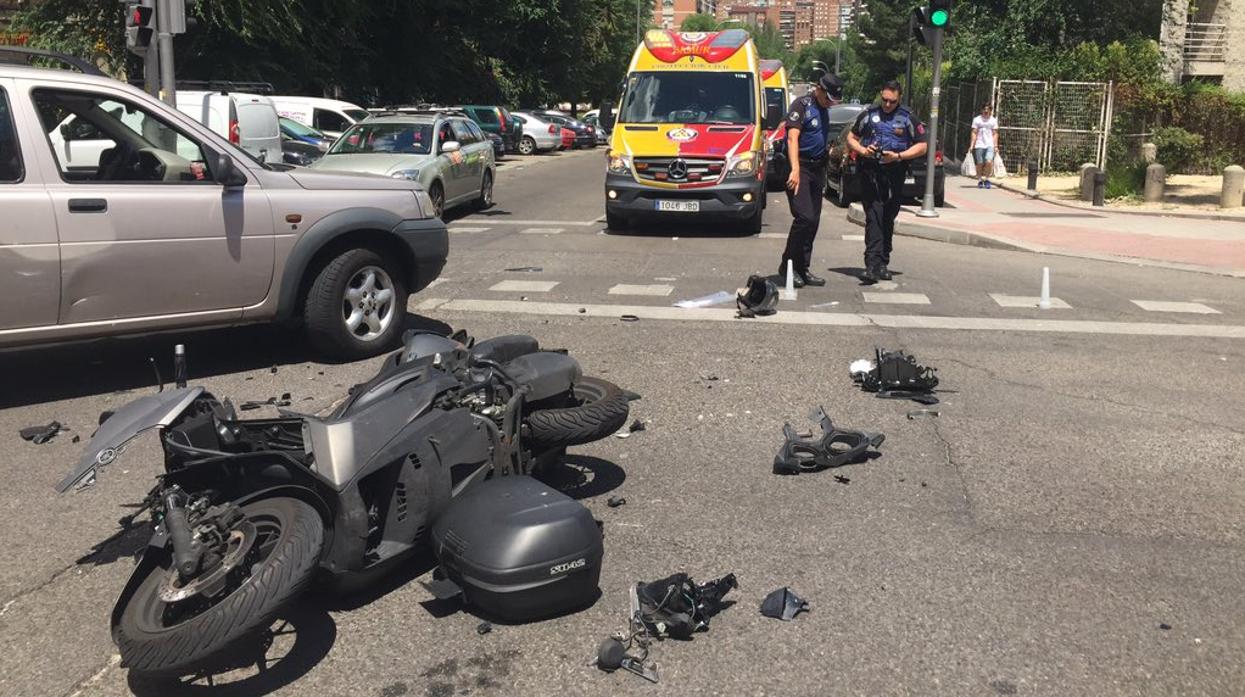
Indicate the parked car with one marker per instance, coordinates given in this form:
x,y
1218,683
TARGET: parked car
x,y
293,130
585,135
247,120
330,116
593,119
568,138
499,146
539,135
174,227
299,153
843,168
496,119
447,154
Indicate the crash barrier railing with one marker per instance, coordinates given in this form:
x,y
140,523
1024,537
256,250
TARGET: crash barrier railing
x,y
1057,124
1205,42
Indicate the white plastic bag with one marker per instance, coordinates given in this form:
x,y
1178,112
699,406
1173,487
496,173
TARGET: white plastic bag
x,y
968,167
1000,169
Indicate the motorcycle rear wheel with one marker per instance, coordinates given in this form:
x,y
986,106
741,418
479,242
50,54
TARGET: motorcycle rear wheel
x,y
163,639
601,409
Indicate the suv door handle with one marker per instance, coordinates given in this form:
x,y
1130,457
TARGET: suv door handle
x,y
88,205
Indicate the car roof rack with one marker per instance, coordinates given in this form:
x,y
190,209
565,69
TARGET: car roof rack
x,y
21,55
424,109
227,86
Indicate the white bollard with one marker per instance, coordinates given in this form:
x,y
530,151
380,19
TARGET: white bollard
x,y
788,293
1044,301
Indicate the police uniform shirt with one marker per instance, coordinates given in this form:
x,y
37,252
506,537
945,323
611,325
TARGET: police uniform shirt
x,y
896,131
813,120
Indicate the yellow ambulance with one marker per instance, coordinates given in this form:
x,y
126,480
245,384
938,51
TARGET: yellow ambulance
x,y
777,95
688,141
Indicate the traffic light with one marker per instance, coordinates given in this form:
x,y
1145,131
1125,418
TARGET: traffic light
x,y
926,20
939,13
140,25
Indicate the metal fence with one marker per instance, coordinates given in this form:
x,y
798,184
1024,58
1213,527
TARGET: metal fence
x,y
1060,124
1205,42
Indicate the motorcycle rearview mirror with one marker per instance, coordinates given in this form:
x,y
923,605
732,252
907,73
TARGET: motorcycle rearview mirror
x,y
606,117
773,116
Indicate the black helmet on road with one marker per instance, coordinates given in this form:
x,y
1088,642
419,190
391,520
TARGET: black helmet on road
x,y
759,298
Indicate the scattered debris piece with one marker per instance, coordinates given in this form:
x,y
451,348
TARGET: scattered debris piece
x,y
629,318
922,412
622,434
273,370
1164,626
637,425
582,310
41,434
612,655
526,269
484,628
676,606
249,406
759,298
923,485
895,375
834,448
841,479
717,298
522,297
616,501
783,604
820,305
709,377
75,439
284,401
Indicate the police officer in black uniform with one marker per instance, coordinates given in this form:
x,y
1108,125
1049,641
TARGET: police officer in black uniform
x,y
885,137
808,134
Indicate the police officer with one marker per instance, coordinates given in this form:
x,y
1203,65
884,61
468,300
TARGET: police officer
x,y
885,137
808,134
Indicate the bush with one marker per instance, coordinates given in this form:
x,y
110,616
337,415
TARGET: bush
x,y
1125,180
1178,149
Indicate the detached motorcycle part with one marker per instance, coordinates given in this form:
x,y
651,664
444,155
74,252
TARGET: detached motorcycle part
x,y
783,604
171,639
759,298
896,372
612,655
834,448
520,550
677,607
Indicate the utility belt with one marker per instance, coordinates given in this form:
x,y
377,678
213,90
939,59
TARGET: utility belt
x,y
813,162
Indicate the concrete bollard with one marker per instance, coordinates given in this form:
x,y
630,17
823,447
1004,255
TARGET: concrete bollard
x,y
1087,181
1100,187
1149,152
1032,167
1156,179
1233,187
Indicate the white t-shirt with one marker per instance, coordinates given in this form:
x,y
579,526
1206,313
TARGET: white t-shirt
x,y
985,131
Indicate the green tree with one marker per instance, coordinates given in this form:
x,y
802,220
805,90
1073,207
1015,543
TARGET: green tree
x,y
770,42
699,22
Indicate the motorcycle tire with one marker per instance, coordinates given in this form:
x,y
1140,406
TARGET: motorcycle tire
x,y
289,537
601,410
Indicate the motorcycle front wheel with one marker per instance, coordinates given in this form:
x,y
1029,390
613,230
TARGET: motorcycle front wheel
x,y
165,629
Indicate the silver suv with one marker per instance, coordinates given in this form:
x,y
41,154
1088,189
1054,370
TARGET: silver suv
x,y
168,226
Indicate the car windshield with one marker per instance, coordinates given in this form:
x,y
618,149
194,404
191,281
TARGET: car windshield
x,y
299,130
396,138
356,114
688,97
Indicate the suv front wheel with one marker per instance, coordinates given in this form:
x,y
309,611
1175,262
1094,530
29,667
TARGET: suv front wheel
x,y
356,306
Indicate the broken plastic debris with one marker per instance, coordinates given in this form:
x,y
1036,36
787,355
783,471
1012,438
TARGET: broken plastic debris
x,y
629,318
717,298
833,448
861,365
922,412
484,628
841,479
638,425
896,375
622,434
1164,626
526,269
616,501
41,434
783,604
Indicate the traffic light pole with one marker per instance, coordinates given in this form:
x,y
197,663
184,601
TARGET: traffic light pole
x,y
164,42
927,204
151,74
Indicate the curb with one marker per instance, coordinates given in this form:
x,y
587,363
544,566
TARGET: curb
x,y
1027,193
905,228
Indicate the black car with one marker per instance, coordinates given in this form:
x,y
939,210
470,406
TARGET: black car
x,y
843,170
585,135
296,152
499,145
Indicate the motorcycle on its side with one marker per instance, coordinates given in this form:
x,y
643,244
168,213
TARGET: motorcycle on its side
x,y
248,510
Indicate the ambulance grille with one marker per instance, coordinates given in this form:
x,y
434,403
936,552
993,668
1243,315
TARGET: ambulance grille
x,y
698,169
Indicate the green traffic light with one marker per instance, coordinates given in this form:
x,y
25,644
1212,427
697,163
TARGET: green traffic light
x,y
938,18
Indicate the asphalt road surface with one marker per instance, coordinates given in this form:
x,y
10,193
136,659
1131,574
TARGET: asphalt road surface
x,y
1071,524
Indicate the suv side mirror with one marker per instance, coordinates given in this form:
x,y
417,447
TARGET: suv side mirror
x,y
606,117
773,116
224,171
451,146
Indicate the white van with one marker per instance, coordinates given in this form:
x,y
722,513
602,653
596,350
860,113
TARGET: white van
x,y
332,116
247,120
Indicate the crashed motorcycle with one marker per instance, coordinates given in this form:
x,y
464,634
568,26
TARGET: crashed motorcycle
x,y
247,511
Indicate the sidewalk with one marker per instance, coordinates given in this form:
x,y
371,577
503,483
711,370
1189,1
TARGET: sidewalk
x,y
1009,220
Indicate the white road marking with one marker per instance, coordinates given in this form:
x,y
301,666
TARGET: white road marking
x,y
839,319
653,289
853,238
456,228
896,298
773,235
438,282
665,278
1169,306
540,231
1004,300
885,285
524,286
495,220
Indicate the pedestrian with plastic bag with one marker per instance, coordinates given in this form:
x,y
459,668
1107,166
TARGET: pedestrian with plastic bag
x,y
985,140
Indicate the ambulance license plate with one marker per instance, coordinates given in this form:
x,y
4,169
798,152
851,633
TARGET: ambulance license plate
x,y
679,206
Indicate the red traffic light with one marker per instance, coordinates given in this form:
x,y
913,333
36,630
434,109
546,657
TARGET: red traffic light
x,y
142,16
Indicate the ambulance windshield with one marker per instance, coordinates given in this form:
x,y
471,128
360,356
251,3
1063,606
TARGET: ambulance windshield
x,y
688,97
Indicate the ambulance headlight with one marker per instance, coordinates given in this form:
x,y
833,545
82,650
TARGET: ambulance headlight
x,y
744,165
618,163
